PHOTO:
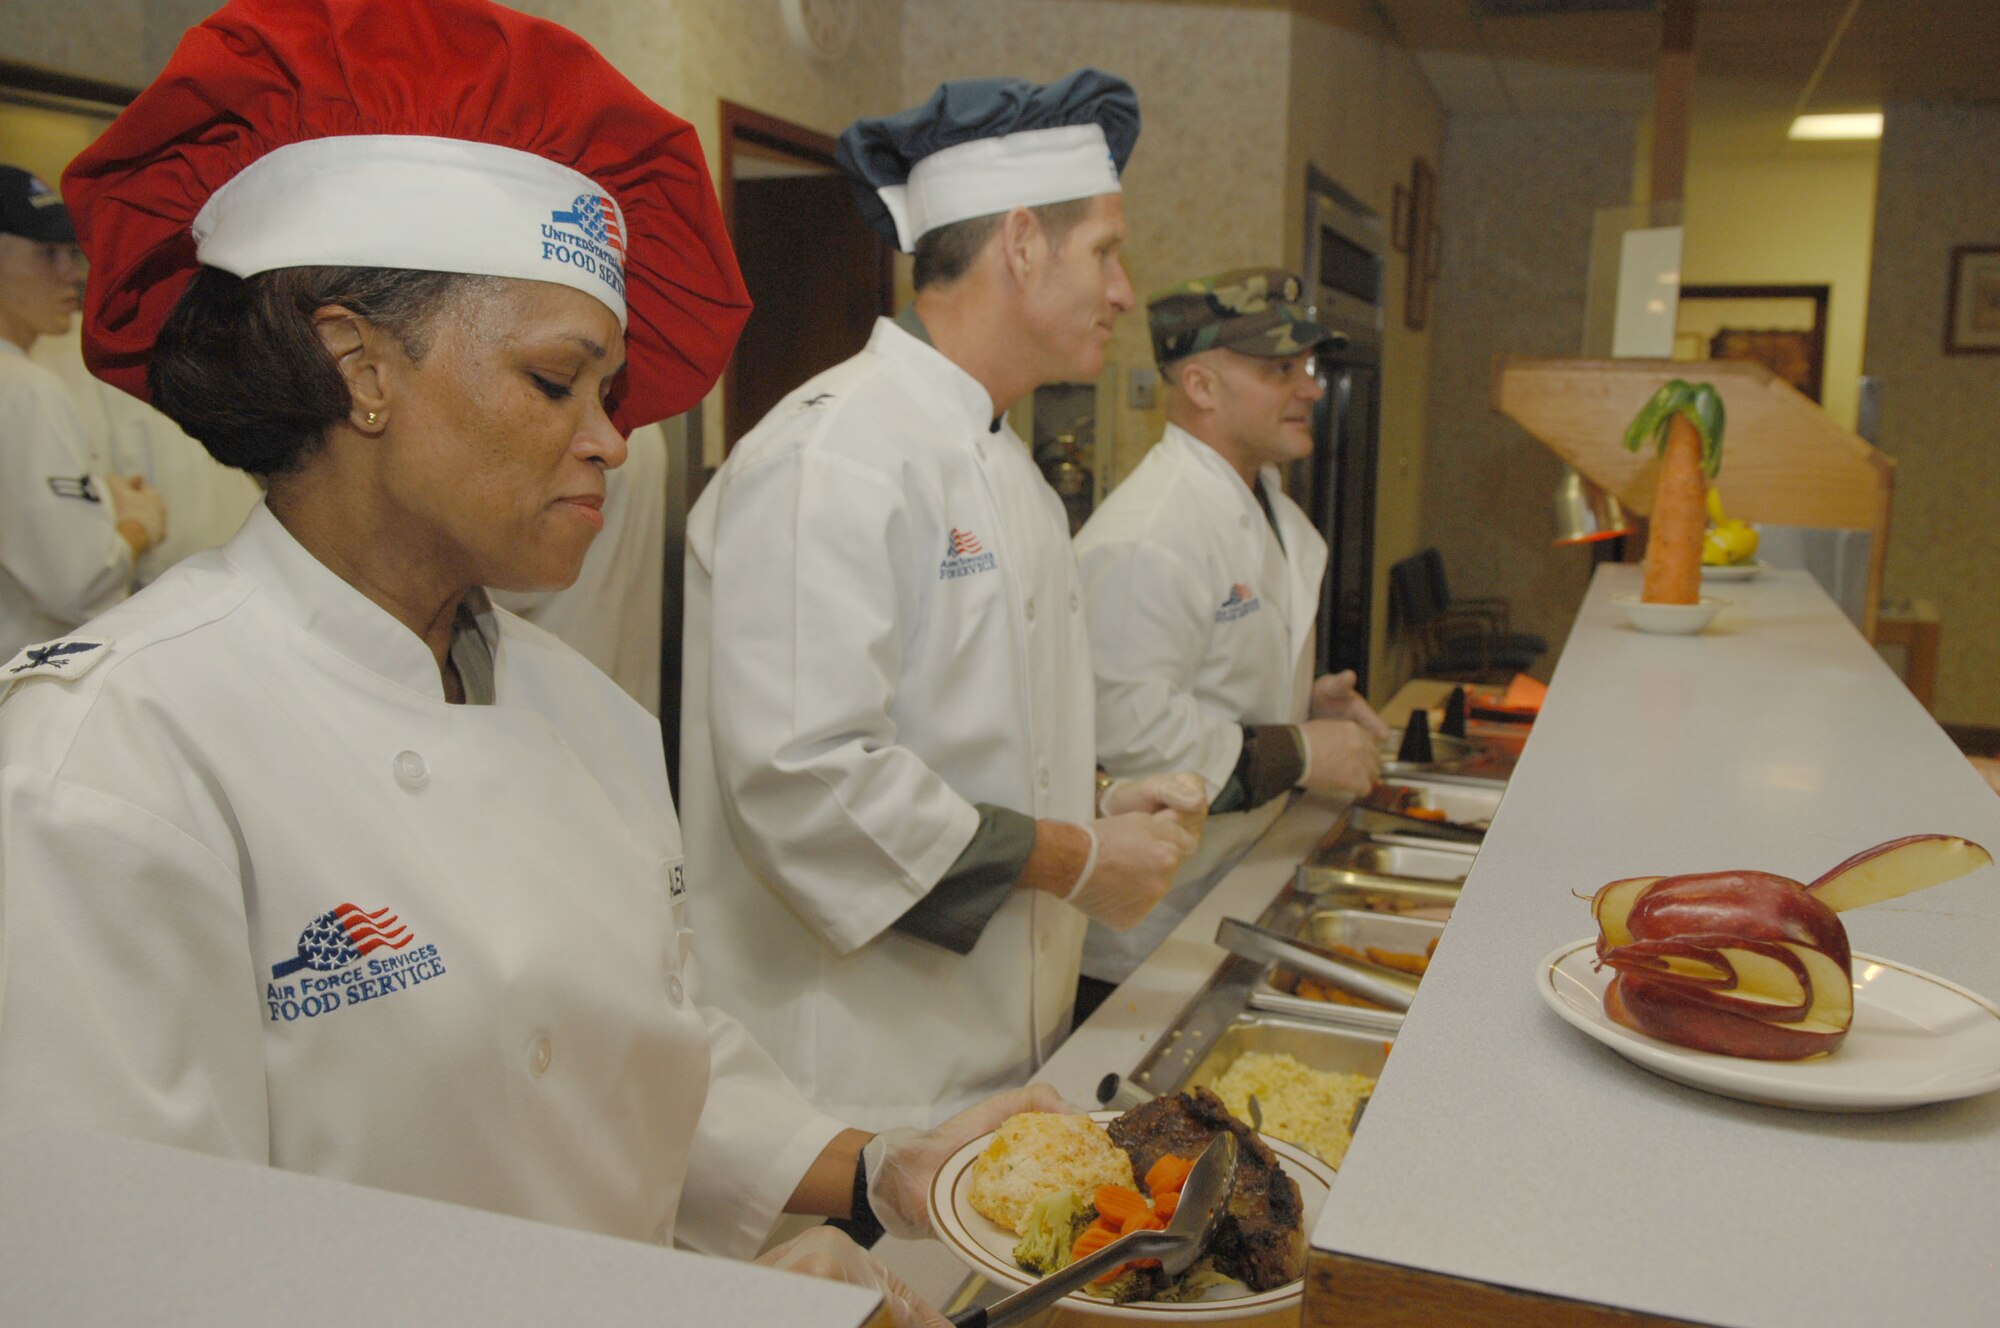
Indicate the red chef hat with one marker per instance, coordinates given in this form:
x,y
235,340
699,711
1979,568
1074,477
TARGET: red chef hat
x,y
441,135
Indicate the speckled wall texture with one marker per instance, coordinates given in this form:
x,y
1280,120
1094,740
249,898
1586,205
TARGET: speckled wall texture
x,y
1939,187
1518,195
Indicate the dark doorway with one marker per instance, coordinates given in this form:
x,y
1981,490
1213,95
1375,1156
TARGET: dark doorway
x,y
818,275
1782,328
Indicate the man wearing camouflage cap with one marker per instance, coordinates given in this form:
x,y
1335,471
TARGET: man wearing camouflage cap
x,y
1201,582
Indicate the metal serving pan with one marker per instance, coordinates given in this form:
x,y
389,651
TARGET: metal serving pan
x,y
1462,803
1409,862
1170,1069
1330,927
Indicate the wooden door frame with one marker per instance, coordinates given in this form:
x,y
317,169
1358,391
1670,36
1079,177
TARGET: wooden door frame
x,y
1820,294
742,124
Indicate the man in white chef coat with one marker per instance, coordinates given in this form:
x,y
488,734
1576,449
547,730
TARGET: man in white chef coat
x,y
887,764
1201,583
71,532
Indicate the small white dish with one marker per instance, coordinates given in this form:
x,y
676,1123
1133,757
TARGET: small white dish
x,y
1916,1038
987,1248
1668,619
1730,571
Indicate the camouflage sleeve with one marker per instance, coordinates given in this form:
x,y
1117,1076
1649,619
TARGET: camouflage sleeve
x,y
1269,766
974,887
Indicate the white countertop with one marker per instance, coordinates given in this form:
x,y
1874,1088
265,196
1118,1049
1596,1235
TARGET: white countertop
x,y
1503,1145
96,1229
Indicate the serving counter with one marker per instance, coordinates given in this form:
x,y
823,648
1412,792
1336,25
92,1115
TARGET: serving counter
x,y
1507,1158
1511,1170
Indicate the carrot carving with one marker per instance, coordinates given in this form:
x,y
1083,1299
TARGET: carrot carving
x,y
1685,421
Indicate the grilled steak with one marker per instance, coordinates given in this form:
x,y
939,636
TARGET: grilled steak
x,y
1261,1238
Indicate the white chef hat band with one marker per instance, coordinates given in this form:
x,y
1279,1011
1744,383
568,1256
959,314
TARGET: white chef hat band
x,y
410,201
988,175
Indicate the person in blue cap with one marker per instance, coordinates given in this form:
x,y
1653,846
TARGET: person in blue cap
x,y
71,531
887,711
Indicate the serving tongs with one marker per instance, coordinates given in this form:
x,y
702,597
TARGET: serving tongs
x,y
1384,986
1203,1197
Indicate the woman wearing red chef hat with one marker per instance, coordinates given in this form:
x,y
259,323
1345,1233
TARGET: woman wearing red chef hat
x,y
308,854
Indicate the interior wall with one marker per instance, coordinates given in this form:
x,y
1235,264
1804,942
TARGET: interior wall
x,y
1361,111
1939,188
1790,220
1518,193
1205,189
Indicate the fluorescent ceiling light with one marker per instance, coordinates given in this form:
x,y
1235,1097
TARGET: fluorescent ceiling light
x,y
1863,124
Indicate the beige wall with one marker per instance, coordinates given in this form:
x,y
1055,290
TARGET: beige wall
x,y
1518,196
1790,220
1940,187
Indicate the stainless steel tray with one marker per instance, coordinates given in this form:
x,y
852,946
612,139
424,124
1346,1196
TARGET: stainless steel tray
x,y
1328,927
1426,862
1465,804
1170,1069
1343,887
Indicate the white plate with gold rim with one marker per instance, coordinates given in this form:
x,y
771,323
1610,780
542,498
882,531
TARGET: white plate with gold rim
x,y
987,1248
1916,1038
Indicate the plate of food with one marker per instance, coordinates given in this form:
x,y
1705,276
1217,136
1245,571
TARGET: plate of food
x,y
1731,571
1742,983
1915,1039
1013,1205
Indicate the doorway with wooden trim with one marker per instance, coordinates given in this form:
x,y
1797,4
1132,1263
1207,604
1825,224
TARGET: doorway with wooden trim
x,y
818,275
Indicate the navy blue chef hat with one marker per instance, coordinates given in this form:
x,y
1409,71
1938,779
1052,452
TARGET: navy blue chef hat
x,y
985,145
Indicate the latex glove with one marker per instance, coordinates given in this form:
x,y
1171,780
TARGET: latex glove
x,y
1334,697
1184,793
134,499
828,1253
1341,757
1132,862
900,1164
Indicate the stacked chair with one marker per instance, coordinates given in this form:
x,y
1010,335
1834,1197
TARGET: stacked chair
x,y
1464,639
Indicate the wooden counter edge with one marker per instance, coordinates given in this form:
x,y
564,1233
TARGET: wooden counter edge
x,y
1343,1291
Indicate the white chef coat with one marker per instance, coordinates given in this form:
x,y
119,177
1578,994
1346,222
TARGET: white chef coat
x,y
611,614
188,809
884,627
1201,621
206,500
62,559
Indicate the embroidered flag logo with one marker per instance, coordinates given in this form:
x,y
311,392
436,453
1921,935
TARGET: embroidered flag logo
x,y
964,556
332,951
597,217
337,939
1241,600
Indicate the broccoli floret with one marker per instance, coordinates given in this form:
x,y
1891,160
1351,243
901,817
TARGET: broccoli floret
x,y
1052,1227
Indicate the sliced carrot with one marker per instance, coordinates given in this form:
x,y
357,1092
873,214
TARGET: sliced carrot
x,y
1168,1174
1121,1206
1150,1222
1166,1201
1094,1238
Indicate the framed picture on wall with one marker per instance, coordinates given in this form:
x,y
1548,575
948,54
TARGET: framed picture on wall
x,y
1972,303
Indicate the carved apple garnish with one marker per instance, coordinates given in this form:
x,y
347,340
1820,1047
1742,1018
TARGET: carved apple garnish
x,y
1747,963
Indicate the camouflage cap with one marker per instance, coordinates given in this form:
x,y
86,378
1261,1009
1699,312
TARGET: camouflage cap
x,y
1252,310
